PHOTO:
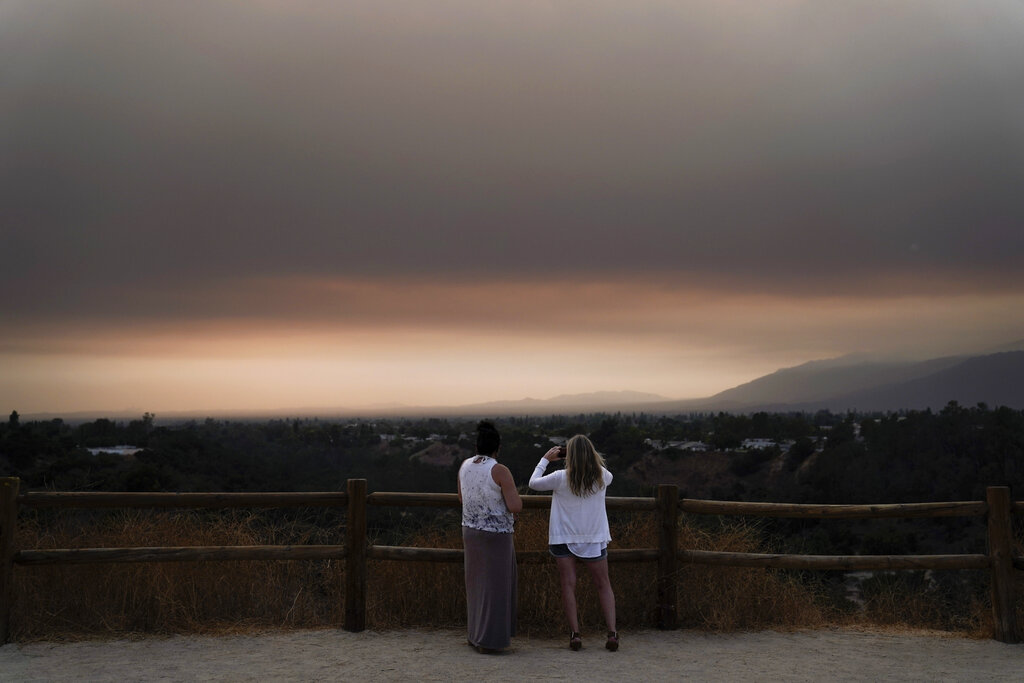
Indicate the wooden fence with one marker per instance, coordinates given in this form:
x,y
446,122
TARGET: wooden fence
x,y
998,508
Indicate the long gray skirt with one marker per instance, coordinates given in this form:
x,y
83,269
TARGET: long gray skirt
x,y
491,584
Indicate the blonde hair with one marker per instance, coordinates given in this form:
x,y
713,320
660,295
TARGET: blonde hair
x,y
583,466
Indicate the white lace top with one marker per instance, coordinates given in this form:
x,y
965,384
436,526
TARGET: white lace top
x,y
483,506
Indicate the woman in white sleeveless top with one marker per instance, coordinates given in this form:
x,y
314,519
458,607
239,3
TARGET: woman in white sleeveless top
x,y
489,499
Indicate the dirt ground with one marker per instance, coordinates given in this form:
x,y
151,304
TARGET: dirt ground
x,y
428,655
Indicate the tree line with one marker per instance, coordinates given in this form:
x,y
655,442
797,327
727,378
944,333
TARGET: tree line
x,y
822,457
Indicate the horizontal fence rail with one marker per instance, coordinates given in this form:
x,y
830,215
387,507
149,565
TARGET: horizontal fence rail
x,y
89,499
666,505
835,562
451,500
392,552
192,553
805,511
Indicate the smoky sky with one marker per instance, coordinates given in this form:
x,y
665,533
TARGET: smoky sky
x,y
802,145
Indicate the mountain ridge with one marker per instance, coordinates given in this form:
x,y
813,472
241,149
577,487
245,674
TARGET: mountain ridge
x,y
857,382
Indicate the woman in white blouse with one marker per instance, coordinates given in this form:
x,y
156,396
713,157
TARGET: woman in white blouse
x,y
578,530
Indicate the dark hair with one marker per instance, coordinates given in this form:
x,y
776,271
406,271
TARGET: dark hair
x,y
487,438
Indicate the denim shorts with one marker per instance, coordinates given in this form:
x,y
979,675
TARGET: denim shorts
x,y
562,550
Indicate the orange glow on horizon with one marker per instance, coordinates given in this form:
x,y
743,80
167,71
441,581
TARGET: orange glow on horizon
x,y
430,346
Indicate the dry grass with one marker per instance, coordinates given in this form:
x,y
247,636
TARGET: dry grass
x,y
171,597
921,600
118,599
421,593
735,598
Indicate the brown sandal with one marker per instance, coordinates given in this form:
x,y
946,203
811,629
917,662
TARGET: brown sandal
x,y
613,641
575,640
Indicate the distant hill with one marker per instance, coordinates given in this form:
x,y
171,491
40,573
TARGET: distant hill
x,y
858,383
823,380
598,401
996,379
1003,348
855,382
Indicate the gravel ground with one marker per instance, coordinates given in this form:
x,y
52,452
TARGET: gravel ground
x,y
428,655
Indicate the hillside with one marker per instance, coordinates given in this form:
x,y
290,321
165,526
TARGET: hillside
x,y
855,383
996,379
824,380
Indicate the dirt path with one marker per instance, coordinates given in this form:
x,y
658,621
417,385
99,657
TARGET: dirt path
x,y
421,655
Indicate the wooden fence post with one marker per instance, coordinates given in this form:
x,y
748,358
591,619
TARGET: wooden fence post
x,y
668,532
1000,552
355,557
8,529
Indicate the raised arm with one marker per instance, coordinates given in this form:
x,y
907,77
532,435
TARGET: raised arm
x,y
540,482
503,478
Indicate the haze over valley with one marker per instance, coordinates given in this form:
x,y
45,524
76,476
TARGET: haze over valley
x,y
857,383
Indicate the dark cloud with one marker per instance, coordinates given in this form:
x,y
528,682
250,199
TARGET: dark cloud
x,y
802,145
